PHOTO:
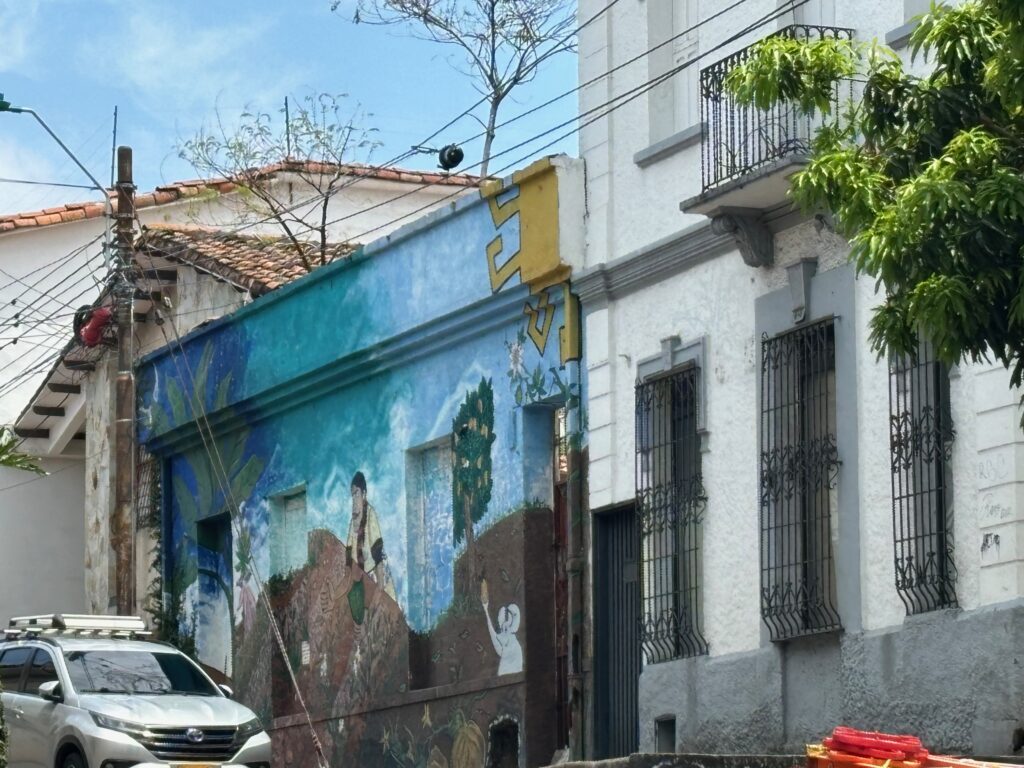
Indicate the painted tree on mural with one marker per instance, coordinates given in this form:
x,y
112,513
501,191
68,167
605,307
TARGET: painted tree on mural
x,y
472,438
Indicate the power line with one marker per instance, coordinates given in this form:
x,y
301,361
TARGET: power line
x,y
32,182
609,106
56,263
234,515
38,478
612,104
617,67
398,158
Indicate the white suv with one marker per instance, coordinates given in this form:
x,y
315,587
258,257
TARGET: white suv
x,y
83,692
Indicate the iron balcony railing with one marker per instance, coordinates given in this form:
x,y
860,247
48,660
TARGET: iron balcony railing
x,y
737,139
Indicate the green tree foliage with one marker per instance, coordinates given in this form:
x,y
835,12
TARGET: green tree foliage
x,y
923,175
11,457
472,438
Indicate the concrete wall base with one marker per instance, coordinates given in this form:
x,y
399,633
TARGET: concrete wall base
x,y
693,761
954,678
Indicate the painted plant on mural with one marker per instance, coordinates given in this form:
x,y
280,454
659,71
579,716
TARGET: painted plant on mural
x,y
377,477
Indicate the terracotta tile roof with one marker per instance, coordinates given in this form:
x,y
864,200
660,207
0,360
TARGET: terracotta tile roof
x,y
256,264
182,190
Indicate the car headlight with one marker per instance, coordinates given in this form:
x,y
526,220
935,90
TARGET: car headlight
x,y
135,730
247,730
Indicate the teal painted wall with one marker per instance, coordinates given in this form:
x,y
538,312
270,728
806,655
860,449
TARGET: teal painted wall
x,y
366,369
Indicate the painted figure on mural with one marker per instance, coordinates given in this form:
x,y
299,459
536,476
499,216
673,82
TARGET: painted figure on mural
x,y
365,543
503,638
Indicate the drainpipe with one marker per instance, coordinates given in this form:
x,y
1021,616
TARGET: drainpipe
x,y
576,560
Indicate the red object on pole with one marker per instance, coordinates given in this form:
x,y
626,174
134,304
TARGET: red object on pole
x,y
91,333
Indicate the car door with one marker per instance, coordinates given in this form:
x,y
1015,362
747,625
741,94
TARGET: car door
x,y
39,717
12,668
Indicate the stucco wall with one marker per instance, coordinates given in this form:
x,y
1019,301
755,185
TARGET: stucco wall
x,y
41,545
634,223
949,677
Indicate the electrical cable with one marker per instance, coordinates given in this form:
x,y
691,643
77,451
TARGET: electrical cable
x,y
234,515
4,180
618,101
56,263
621,98
609,106
617,67
37,478
35,323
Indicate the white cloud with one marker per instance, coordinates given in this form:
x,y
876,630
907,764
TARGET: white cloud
x,y
19,162
174,67
17,20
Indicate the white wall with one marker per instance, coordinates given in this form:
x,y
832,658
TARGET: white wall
x,y
41,545
629,208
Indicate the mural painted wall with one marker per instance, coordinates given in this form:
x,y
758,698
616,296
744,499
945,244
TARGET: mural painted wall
x,y
374,445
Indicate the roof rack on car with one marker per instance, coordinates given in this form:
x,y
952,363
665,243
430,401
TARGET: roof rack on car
x,y
77,624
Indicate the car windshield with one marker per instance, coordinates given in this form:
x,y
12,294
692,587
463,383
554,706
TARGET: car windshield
x,y
138,672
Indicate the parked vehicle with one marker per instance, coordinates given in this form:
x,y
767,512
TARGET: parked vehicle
x,y
89,692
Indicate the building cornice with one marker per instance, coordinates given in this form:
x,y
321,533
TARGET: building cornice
x,y
650,264
501,310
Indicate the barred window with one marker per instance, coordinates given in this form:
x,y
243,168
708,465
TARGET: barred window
x,y
148,507
799,468
670,503
920,443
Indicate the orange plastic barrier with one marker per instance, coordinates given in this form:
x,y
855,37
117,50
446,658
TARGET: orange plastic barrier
x,y
851,748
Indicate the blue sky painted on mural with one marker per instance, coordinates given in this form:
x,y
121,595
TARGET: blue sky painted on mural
x,y
364,388
167,66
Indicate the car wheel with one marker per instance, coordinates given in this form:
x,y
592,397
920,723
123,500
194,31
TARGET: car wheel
x,y
73,760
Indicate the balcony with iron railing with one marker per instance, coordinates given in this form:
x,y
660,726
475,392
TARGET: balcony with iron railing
x,y
748,154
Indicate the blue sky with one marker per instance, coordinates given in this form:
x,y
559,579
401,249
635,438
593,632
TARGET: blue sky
x,y
169,65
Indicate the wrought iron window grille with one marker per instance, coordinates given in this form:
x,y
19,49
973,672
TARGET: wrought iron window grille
x,y
920,444
798,473
738,139
148,493
671,503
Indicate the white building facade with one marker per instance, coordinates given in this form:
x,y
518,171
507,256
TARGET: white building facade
x,y
810,536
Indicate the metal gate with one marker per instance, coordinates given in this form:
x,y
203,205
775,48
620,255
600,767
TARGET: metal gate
x,y
616,632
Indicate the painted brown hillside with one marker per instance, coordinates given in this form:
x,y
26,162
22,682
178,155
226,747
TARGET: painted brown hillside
x,y
459,647
350,646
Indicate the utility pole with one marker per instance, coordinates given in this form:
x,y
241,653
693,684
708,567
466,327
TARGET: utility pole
x,y
122,528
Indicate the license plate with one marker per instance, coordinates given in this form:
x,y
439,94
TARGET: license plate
x,y
194,765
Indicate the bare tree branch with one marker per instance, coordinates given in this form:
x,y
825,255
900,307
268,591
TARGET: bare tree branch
x,y
323,141
504,41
